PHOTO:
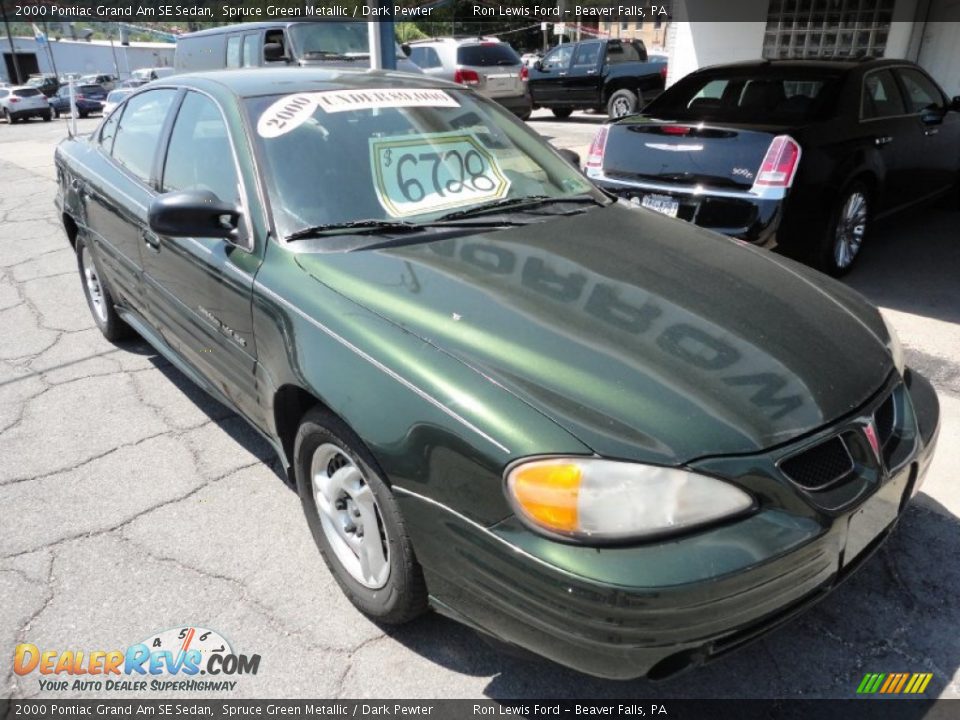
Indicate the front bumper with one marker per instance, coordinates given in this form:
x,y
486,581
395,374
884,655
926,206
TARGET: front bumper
x,y
657,608
743,214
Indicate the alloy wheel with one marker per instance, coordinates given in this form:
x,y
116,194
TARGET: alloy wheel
x,y
851,227
93,287
621,107
350,517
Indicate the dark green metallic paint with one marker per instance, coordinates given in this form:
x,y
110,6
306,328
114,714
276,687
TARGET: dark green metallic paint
x,y
615,332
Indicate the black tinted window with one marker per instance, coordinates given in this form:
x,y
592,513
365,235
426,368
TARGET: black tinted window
x,y
483,55
558,59
881,96
587,55
790,96
621,53
199,155
26,92
139,131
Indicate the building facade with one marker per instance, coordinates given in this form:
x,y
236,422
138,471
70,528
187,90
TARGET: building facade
x,y
81,56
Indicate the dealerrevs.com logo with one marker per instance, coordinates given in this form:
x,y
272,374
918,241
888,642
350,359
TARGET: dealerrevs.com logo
x,y
173,660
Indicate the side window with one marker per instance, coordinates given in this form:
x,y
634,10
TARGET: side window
x,y
922,93
109,130
251,50
558,59
276,36
881,96
621,53
199,156
233,51
425,57
587,55
138,131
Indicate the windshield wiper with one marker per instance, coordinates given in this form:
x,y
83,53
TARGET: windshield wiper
x,y
528,202
358,227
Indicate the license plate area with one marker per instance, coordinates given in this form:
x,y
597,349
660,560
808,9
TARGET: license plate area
x,y
663,204
874,516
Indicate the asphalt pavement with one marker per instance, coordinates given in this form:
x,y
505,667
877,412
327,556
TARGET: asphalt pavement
x,y
130,503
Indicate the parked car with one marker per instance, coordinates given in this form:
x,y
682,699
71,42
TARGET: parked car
x,y
131,83
147,74
21,102
273,44
804,154
586,429
46,83
105,80
89,99
489,66
114,98
611,76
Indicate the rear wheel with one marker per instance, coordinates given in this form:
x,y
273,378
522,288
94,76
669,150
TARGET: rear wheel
x,y
562,113
356,521
7,117
82,113
621,103
98,296
47,117
847,230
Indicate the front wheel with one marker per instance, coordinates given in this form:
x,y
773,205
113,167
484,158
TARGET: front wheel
x,y
847,230
56,113
356,521
562,113
621,104
47,117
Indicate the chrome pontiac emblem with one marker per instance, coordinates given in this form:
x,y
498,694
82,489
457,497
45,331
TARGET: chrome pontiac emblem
x,y
870,430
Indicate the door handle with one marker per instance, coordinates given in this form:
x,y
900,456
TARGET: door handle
x,y
885,140
562,74
150,240
591,72
931,131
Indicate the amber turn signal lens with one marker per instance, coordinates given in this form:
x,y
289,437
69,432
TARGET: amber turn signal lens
x,y
548,494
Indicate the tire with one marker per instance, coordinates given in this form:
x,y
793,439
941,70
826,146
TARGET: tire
x,y
622,103
56,113
7,117
343,496
562,113
47,117
82,113
846,231
98,296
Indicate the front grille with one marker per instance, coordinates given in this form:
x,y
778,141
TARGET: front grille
x,y
885,419
819,466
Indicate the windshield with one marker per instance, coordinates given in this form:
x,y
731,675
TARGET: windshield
x,y
332,38
487,54
738,96
398,155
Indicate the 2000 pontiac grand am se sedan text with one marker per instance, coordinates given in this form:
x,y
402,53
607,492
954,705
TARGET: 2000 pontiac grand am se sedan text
x,y
614,439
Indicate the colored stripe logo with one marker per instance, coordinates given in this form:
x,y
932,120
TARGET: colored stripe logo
x,y
894,683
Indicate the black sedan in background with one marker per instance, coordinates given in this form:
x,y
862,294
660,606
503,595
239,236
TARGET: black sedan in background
x,y
806,155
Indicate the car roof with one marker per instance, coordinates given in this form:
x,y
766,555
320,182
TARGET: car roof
x,y
289,80
244,27
841,64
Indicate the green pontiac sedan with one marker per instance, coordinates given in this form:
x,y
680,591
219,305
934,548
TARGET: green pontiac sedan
x,y
585,429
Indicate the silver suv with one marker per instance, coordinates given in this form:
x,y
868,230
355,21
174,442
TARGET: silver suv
x,y
489,66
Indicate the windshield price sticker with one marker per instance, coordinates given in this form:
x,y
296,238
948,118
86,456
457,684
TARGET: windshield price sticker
x,y
433,172
286,114
334,101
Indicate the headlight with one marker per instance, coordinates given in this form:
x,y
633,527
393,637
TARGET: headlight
x,y
893,345
606,500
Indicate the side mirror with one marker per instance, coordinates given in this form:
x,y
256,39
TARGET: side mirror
x,y
405,47
273,51
570,156
955,103
933,117
194,213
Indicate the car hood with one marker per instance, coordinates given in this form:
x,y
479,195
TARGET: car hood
x,y
645,337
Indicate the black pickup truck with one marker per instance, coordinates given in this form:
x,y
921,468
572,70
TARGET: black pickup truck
x,y
612,76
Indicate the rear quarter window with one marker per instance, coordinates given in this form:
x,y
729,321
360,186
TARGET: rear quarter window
x,y
487,55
